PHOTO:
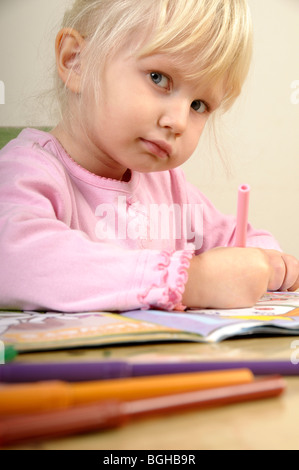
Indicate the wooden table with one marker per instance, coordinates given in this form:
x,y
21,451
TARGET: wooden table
x,y
263,424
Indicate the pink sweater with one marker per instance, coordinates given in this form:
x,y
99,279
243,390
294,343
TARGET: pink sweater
x,y
73,241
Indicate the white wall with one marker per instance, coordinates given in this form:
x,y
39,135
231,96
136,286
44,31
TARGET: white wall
x,y
261,132
260,135
27,34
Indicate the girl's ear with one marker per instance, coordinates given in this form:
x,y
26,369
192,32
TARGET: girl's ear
x,y
68,47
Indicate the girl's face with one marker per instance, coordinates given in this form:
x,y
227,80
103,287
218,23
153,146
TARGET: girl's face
x,y
149,117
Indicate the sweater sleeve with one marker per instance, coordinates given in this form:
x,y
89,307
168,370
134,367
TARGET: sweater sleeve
x,y
45,264
219,229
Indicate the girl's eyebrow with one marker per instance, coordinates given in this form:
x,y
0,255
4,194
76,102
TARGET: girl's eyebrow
x,y
172,67
164,62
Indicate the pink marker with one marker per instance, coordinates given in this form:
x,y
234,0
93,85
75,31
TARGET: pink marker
x,y
242,215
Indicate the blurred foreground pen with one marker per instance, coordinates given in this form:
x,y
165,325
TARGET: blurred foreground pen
x,y
9,353
51,395
110,414
20,372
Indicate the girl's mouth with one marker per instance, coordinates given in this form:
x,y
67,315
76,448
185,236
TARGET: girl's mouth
x,y
158,148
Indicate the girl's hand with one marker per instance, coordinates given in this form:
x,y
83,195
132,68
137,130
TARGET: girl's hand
x,y
238,277
284,273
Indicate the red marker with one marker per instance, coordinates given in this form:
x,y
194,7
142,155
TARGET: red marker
x,y
113,413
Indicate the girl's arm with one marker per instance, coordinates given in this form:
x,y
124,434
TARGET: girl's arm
x,y
45,264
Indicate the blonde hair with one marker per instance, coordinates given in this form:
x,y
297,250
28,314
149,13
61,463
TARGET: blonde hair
x,y
211,38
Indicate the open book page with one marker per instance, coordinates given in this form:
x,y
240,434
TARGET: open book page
x,y
36,331
276,313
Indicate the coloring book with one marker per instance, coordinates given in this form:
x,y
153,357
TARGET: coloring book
x,y
277,313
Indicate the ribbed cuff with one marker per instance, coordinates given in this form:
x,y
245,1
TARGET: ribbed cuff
x,y
172,275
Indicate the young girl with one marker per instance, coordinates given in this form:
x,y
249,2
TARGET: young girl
x,y
96,214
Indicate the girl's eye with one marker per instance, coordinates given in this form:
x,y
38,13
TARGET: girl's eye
x,y
160,79
199,106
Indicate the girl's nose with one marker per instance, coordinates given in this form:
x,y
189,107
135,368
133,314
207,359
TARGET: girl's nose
x,y
175,116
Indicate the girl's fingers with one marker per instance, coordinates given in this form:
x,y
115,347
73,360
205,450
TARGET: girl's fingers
x,y
291,279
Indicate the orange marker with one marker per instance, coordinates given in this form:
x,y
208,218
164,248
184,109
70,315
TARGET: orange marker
x,y
109,414
51,395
